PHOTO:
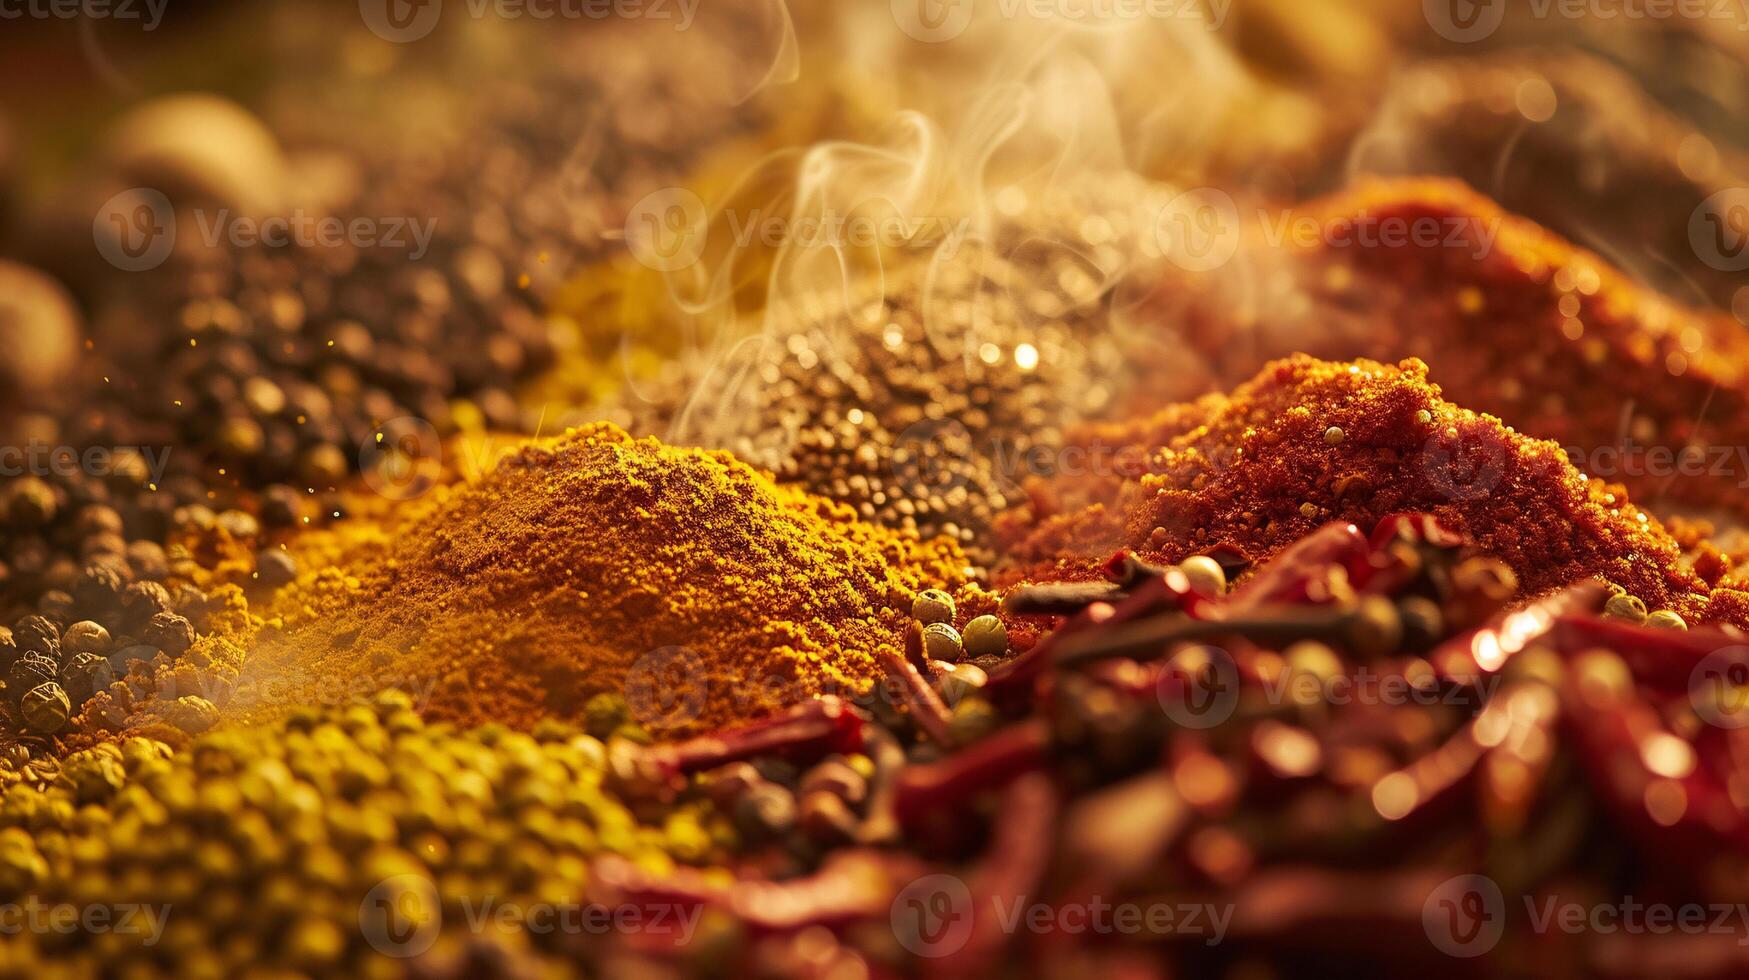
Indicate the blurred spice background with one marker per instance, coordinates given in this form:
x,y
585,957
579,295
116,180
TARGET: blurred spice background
x,y
312,602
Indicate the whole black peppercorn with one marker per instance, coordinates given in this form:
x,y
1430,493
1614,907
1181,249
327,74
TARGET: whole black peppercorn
x,y
95,519
170,633
46,709
56,606
85,637
143,600
275,568
99,586
37,634
29,671
30,502
146,560
282,506
85,675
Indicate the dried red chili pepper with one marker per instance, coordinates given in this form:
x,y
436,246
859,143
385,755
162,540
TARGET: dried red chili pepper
x,y
814,728
990,762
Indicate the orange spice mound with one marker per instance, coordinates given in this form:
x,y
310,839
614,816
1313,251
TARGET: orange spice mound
x,y
1514,320
1307,442
580,560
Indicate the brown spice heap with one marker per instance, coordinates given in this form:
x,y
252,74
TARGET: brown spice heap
x,y
590,561
1307,442
925,415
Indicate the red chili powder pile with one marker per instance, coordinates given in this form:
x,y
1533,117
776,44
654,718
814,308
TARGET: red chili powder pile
x,y
1513,320
1307,442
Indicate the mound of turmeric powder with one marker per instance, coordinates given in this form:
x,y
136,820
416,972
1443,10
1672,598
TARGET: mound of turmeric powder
x,y
588,563
1307,442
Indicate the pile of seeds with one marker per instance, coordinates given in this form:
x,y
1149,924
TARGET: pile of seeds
x,y
269,845
272,368
928,398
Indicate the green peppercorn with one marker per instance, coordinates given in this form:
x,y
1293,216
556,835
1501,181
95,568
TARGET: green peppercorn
x,y
985,636
942,642
1625,607
958,681
766,810
1206,575
1423,621
837,778
826,818
1667,620
1377,627
932,606
972,719
46,709
1334,435
605,712
631,731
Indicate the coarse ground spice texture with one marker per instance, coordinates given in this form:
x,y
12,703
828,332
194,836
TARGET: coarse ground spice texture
x,y
1513,321
1307,442
589,562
